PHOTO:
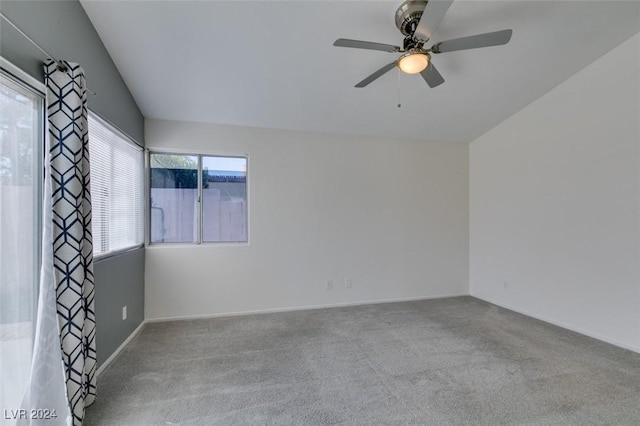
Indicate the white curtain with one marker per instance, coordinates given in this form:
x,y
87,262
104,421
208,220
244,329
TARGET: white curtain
x,y
46,388
64,360
21,206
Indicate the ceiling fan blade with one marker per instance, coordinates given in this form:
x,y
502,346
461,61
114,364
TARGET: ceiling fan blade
x,y
496,38
377,74
345,42
433,13
432,76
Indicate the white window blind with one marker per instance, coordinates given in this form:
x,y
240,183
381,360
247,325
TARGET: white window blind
x,y
117,189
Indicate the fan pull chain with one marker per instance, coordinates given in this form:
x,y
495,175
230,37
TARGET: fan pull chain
x,y
399,103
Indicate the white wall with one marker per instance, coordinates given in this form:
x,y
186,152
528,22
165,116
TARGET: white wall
x,y
390,214
555,204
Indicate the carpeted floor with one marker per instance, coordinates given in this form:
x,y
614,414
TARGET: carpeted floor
x,y
456,361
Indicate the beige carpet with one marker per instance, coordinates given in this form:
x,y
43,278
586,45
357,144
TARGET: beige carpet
x,y
456,361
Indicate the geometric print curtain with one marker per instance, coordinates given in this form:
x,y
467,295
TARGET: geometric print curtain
x,y
71,231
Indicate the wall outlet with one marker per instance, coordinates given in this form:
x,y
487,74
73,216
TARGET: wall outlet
x,y
347,282
505,285
329,284
124,313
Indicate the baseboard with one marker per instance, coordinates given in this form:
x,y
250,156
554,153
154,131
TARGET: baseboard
x,y
560,324
303,308
120,348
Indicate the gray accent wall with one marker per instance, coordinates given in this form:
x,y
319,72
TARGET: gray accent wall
x,y
119,282
63,29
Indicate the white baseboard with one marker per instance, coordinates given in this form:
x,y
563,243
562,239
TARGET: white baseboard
x,y
370,302
303,308
560,324
120,348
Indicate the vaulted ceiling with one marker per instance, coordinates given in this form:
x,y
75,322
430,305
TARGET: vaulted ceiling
x,y
272,64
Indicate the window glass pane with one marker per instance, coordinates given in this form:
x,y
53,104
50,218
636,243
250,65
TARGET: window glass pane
x,y
224,199
20,163
174,198
117,188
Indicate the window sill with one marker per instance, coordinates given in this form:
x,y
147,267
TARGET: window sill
x,y
103,256
225,244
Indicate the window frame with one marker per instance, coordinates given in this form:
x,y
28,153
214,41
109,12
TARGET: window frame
x,y
29,85
23,80
115,129
199,241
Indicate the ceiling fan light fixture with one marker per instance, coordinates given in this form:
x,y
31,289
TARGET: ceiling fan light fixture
x,y
414,61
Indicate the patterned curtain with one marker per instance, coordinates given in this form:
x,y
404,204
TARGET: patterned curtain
x,y
71,231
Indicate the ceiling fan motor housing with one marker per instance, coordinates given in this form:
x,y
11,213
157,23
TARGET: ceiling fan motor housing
x,y
408,15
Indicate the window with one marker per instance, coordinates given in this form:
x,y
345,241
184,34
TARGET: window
x,y
224,199
198,198
117,188
174,196
21,139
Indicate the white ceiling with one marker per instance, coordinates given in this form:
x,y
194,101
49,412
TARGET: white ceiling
x,y
272,64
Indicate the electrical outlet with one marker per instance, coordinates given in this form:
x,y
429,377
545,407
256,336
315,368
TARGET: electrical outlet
x,y
347,282
124,313
506,286
329,284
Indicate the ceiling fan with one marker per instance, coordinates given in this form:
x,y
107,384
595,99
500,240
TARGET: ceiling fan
x,y
417,20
